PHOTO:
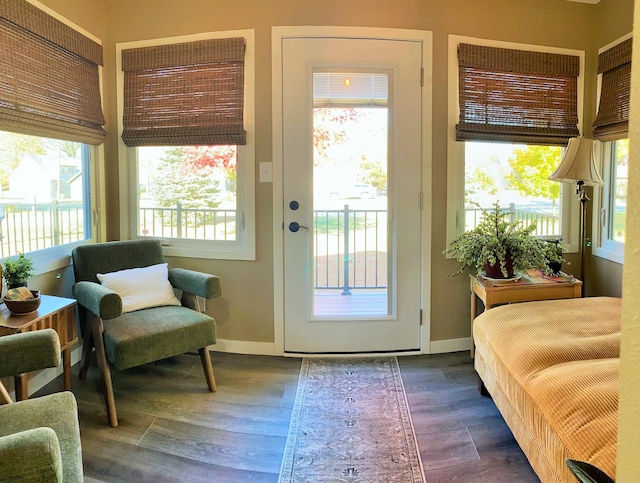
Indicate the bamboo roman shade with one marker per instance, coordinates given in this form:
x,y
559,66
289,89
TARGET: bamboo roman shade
x,y
612,121
49,78
517,96
184,94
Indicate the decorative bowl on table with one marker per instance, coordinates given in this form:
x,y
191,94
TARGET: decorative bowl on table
x,y
22,301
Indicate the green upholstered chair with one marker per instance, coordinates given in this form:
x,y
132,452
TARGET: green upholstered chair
x,y
134,338
39,438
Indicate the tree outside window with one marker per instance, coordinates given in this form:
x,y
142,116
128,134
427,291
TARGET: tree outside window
x,y
516,176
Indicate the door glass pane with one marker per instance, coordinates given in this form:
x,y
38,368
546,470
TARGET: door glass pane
x,y
350,160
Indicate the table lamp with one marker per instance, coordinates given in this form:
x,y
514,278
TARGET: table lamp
x,y
578,166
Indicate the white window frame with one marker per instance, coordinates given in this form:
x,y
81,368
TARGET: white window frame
x,y
603,246
59,257
569,214
243,248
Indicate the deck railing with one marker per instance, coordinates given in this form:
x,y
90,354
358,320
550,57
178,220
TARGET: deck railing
x,y
192,223
350,249
27,227
350,246
546,225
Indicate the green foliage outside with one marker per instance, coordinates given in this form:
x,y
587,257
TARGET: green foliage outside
x,y
375,175
532,167
332,223
186,177
177,181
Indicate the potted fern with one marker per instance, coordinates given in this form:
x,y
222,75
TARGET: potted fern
x,y
501,248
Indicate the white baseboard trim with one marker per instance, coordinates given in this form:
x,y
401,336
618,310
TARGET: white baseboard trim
x,y
244,347
450,345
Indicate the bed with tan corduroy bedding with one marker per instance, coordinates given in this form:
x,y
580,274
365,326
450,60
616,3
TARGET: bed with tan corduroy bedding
x,y
551,368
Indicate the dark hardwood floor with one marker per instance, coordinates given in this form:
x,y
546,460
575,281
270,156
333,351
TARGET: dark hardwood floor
x,y
173,430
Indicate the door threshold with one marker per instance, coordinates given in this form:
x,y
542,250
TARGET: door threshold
x,y
408,352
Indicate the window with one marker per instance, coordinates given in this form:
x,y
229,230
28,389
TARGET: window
x,y
50,117
188,192
45,200
610,202
514,108
612,127
617,174
516,176
187,121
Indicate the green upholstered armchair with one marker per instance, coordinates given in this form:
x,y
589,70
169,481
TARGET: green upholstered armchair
x,y
39,438
138,337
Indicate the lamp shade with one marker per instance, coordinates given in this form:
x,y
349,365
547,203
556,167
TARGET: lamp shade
x,y
578,164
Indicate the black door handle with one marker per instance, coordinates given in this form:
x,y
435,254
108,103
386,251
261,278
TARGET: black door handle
x,y
294,226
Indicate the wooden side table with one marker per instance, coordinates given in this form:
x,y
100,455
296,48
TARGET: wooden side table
x,y
531,286
56,313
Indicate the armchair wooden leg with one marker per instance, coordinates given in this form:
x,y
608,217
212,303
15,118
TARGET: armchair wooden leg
x,y
87,354
4,395
205,357
21,387
103,362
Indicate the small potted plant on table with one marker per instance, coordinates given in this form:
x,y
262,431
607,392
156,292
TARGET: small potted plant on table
x,y
16,272
499,248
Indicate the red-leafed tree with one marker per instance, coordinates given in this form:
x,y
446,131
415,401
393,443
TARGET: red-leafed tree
x,y
186,175
210,156
330,126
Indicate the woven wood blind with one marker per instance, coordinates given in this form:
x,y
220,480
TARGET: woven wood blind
x,y
517,96
49,79
184,94
612,120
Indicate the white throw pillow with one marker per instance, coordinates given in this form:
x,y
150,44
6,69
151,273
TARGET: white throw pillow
x,y
141,288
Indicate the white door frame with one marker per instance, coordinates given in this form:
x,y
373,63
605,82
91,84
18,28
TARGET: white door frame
x,y
279,33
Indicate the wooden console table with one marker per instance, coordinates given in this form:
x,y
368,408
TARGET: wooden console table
x,y
532,286
54,313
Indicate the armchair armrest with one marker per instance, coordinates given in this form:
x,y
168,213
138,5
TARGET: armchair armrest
x,y
99,300
29,351
196,283
31,455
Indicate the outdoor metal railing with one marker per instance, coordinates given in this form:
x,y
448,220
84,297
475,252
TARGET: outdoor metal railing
x,y
546,225
350,246
27,227
350,249
192,223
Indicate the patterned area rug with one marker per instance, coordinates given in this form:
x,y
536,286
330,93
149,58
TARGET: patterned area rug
x,y
351,423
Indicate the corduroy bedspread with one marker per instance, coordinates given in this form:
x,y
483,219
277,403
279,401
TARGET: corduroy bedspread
x,y
552,369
